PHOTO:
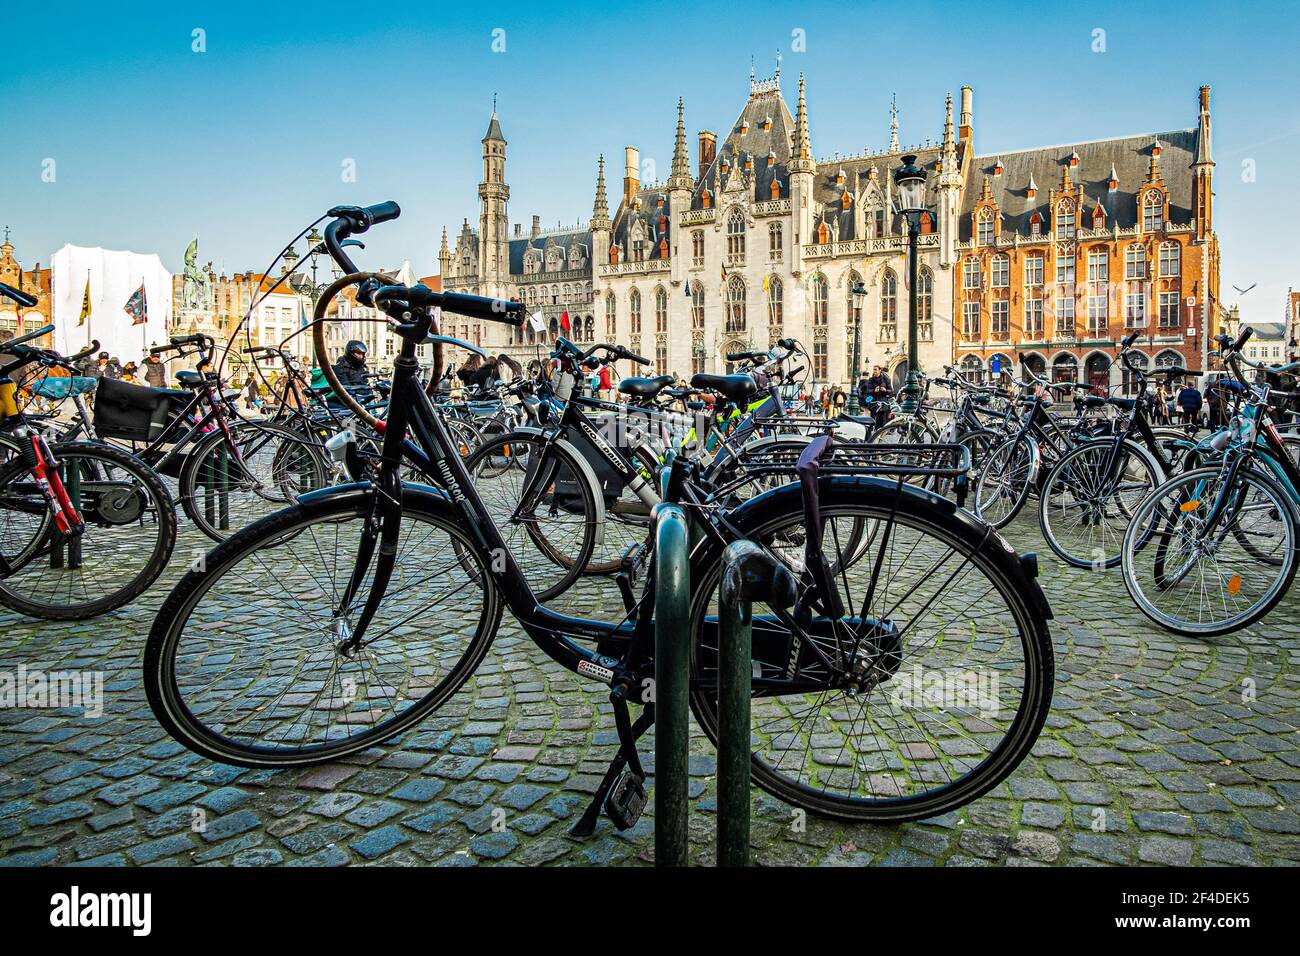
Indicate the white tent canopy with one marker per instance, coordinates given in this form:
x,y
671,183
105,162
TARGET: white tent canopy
x,y
114,278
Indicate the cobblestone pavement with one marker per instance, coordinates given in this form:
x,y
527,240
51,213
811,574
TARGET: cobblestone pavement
x,y
1159,750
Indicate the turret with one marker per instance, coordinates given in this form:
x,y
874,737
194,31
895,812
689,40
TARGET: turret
x,y
601,226
494,221
1203,170
802,170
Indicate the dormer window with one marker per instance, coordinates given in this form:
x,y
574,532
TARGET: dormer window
x,y
1036,224
771,158
1153,211
776,189
706,199
1098,217
984,231
846,200
839,178
1065,220
998,168
744,126
1074,160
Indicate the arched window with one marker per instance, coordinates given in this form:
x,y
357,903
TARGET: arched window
x,y
1170,259
1065,368
925,305
1168,359
736,238
1065,219
1153,211
697,247
775,304
661,310
972,369
888,306
634,310
611,317
697,306
735,305
1140,361
821,294
775,245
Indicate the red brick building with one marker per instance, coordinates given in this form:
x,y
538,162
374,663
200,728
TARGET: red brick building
x,y
1065,250
15,319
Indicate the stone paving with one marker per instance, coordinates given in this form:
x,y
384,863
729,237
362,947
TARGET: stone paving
x,y
1159,750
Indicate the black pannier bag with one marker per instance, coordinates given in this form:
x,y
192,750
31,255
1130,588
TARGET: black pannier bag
x,y
134,412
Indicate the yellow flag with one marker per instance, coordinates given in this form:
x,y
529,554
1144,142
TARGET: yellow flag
x,y
85,303
764,283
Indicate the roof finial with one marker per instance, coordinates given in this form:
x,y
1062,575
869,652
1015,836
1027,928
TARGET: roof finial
x,y
494,102
893,123
778,66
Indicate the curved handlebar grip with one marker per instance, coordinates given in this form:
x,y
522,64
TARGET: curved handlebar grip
x,y
381,212
507,311
18,295
632,356
1246,333
84,353
1130,339
28,336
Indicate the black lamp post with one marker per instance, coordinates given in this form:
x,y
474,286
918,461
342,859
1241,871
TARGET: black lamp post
x,y
910,203
858,292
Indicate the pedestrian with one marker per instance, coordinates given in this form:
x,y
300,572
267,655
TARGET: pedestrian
x,y
114,368
250,393
607,380
878,391
155,373
824,401
1214,402
1189,404
129,373
1161,410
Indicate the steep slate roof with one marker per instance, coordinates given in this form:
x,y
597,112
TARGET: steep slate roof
x,y
755,143
567,240
1268,331
1131,157
648,215
828,196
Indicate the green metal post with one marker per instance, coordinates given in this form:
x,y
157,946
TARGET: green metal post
x,y
748,573
912,389
223,488
672,681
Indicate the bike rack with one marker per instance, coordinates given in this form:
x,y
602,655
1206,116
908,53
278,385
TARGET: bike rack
x,y
748,573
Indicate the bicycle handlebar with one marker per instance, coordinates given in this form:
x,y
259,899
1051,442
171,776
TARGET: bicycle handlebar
x,y
18,295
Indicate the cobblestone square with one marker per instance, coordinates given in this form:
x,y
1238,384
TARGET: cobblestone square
x,y
1159,750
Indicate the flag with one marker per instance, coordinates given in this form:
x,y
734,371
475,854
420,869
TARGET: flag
x,y
723,267
536,322
85,303
764,283
136,306
688,288
302,315
564,321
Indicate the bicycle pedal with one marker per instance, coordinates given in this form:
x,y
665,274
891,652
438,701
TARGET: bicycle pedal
x,y
626,800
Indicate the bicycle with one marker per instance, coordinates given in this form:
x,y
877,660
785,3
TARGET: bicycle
x,y
84,528
1214,549
398,589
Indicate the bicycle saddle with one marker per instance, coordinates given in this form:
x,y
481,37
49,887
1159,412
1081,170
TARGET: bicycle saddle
x,y
192,379
860,419
1127,404
645,387
735,388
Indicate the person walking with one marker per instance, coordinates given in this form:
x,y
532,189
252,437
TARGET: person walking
x,y
1161,410
1189,404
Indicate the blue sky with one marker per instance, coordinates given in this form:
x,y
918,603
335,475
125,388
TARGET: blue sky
x,y
244,144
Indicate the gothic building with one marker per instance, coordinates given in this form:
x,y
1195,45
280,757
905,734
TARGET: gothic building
x,y
1065,250
759,242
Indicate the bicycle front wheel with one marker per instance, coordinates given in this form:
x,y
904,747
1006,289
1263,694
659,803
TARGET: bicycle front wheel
x,y
1002,486
248,660
1198,578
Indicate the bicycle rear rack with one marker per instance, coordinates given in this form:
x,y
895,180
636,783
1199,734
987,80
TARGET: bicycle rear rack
x,y
924,464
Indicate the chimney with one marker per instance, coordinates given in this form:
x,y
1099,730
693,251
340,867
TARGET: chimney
x,y
631,173
537,227
708,150
965,130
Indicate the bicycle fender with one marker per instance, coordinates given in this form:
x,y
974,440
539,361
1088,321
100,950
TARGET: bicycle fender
x,y
588,474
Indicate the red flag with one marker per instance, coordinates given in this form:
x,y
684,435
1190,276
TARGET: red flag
x,y
564,321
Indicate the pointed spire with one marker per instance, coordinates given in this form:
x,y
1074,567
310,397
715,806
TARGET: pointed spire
x,y
801,161
1202,154
600,211
1032,189
949,176
681,171
1112,181
778,67
893,123
443,251
493,134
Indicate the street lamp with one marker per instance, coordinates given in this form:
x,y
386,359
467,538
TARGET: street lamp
x,y
859,294
909,180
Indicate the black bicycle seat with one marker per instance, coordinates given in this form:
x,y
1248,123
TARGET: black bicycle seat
x,y
735,388
1127,404
192,379
645,387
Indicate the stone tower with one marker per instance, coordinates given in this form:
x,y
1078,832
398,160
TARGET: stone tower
x,y
493,220
803,169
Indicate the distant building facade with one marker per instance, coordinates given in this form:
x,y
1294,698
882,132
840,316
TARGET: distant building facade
x,y
37,281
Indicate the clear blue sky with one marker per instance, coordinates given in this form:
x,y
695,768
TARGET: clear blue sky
x,y
243,144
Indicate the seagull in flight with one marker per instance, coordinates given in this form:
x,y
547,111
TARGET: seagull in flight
x,y
1241,291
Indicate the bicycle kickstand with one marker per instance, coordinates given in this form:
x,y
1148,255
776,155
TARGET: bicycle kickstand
x,y
621,793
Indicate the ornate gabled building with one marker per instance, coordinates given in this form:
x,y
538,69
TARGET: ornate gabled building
x,y
762,241
16,319
1066,250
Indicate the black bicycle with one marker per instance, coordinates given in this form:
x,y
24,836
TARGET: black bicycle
x,y
909,676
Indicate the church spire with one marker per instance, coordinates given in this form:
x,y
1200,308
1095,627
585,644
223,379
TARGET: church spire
x,y
801,161
600,211
893,124
443,250
949,176
681,171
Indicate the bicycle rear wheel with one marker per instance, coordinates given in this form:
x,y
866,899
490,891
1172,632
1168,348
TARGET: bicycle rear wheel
x,y
930,699
1002,486
246,664
129,533
1198,580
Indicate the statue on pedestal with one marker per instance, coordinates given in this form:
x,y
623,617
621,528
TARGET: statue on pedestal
x,y
196,291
